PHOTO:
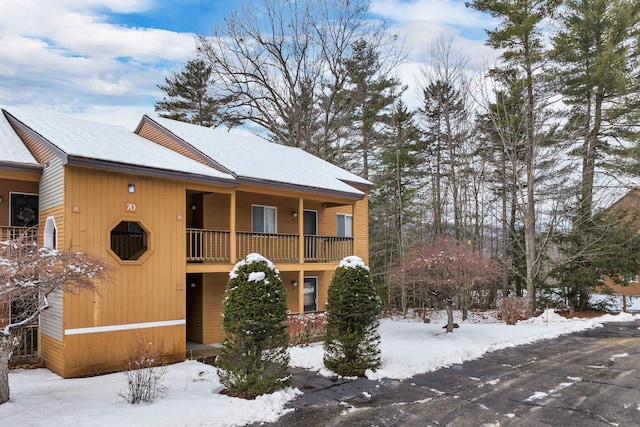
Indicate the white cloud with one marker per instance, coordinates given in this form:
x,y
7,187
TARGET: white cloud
x,y
447,12
65,54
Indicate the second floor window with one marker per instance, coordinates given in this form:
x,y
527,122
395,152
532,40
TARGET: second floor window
x,y
344,225
263,219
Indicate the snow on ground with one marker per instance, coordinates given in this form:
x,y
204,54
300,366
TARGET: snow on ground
x,y
409,347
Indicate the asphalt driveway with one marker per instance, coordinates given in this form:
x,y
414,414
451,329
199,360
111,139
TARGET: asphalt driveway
x,y
590,378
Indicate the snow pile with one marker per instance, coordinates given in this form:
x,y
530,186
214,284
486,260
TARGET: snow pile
x,y
352,262
256,276
549,315
408,347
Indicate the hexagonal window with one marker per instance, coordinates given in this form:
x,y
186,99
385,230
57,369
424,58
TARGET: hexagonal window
x,y
129,240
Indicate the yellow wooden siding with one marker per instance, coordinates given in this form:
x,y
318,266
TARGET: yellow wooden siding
x,y
19,176
134,292
361,229
195,304
51,353
152,133
214,286
292,292
58,214
13,186
89,354
286,223
216,211
41,153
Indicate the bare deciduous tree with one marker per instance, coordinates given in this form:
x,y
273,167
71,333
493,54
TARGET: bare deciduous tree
x,y
28,276
446,270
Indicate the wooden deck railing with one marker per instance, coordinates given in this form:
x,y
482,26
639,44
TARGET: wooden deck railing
x,y
28,347
327,248
207,245
210,246
276,247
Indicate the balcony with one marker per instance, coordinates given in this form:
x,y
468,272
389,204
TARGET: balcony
x,y
27,349
212,246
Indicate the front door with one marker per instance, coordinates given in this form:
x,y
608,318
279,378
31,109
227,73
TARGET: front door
x,y
310,221
310,294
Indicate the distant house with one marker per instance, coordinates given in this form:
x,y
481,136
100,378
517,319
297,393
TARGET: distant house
x,y
630,202
171,207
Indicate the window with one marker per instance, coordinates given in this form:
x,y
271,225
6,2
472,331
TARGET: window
x,y
129,240
310,294
344,223
24,210
263,219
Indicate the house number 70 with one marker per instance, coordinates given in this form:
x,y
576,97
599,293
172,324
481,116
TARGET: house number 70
x,y
130,207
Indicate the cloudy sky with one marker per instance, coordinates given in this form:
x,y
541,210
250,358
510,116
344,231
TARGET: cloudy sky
x,y
103,59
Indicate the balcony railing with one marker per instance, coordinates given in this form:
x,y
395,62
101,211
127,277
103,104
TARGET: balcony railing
x,y
27,348
326,248
207,245
276,247
211,246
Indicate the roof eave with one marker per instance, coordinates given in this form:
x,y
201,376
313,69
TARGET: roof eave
x,y
296,187
20,167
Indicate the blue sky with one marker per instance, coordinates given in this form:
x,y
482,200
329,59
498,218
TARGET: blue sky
x,y
103,59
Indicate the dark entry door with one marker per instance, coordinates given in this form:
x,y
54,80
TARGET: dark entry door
x,y
310,231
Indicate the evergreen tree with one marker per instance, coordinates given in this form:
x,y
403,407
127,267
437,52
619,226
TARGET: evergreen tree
x,y
598,65
519,36
254,356
351,340
372,96
188,97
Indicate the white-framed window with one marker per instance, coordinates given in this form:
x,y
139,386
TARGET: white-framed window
x,y
344,225
264,219
311,293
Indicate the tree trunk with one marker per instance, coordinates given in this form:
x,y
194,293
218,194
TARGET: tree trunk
x,y
5,354
449,318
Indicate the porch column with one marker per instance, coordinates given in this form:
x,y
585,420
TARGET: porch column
x,y
232,228
301,291
301,230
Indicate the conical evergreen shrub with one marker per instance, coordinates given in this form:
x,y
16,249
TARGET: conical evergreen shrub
x,y
352,341
254,356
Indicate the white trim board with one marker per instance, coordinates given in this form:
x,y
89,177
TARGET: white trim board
x,y
125,327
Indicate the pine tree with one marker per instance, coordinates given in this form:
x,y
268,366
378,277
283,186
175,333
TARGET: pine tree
x,y
598,78
188,97
351,340
254,356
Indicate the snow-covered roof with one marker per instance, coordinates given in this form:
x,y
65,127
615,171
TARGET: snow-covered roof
x,y
82,139
251,157
12,150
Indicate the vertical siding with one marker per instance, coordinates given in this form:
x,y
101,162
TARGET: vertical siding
x,y
194,308
361,229
214,285
216,211
135,292
51,184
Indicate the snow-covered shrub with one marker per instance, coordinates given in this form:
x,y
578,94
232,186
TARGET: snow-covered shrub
x,y
512,309
304,329
352,341
145,380
254,356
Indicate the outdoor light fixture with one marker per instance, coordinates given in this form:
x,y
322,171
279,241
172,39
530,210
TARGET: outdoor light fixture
x,y
0,199
194,206
294,214
294,283
193,285
132,188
